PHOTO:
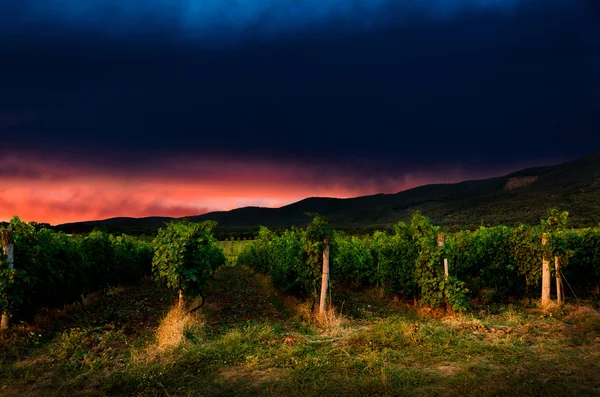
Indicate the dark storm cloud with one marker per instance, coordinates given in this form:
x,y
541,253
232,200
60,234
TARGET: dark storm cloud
x,y
107,109
434,82
235,18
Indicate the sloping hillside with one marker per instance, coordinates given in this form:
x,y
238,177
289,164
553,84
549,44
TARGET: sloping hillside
x,y
520,197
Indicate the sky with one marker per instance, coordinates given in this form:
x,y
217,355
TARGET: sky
x,y
181,107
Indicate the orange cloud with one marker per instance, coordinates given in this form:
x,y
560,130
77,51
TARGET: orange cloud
x,y
55,191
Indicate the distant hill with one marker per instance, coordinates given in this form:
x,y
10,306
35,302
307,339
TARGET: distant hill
x,y
519,197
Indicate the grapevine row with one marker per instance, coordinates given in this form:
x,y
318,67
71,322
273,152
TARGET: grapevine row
x,y
490,264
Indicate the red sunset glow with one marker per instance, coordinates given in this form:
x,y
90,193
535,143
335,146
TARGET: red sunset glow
x,y
45,190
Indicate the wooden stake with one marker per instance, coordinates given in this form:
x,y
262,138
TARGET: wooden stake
x,y
8,249
324,279
5,322
545,276
441,241
559,298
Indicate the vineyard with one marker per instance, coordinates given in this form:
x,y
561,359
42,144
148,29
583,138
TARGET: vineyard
x,y
232,247
53,269
400,324
490,264
487,265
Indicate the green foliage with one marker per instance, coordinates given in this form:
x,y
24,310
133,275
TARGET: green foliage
x,y
583,251
256,253
317,232
526,252
455,293
434,287
11,282
288,263
483,259
293,259
97,247
132,257
395,257
52,268
354,260
185,255
495,263
556,221
554,227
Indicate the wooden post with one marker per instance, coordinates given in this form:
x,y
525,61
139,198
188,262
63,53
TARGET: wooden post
x,y
559,295
8,249
325,278
545,276
441,241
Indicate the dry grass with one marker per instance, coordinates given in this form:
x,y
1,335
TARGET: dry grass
x,y
461,322
582,313
300,308
117,290
331,320
583,323
93,298
250,340
170,332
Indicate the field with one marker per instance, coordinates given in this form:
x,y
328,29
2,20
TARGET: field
x,y
250,340
232,248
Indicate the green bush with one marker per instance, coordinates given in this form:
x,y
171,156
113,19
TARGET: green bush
x,y
395,259
11,286
132,257
504,261
526,252
583,270
288,266
53,269
435,288
293,259
256,253
185,255
483,260
353,260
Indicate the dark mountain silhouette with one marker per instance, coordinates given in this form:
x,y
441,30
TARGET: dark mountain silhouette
x,y
520,197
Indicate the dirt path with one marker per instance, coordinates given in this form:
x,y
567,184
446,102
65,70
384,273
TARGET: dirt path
x,y
236,295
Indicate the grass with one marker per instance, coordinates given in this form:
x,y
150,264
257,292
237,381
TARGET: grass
x,y
232,248
249,340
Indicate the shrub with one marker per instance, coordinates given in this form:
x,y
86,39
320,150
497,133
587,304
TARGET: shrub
x,y
53,269
434,287
185,256
395,257
353,260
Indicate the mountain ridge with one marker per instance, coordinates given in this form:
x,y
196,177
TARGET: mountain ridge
x,y
573,186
